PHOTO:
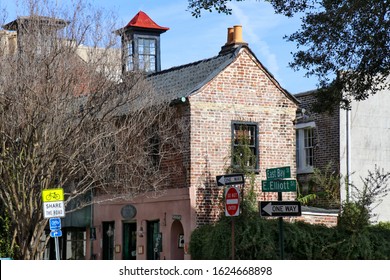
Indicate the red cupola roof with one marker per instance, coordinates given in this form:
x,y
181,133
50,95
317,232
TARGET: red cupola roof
x,y
142,20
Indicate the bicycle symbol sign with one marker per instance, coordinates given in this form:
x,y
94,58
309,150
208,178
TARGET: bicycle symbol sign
x,y
50,195
53,203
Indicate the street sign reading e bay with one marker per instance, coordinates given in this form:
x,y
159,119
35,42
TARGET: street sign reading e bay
x,y
278,173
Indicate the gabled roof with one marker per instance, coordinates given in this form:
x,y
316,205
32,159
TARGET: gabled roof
x,y
182,81
186,79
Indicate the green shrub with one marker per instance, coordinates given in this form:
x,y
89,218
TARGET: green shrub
x,y
258,238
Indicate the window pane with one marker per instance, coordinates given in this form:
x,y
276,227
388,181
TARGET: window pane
x,y
76,245
129,56
147,54
309,146
244,153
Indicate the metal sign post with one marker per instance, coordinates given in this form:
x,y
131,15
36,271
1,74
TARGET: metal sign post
x,y
232,199
281,231
53,208
55,227
277,182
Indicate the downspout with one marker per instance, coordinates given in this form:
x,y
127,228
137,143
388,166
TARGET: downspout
x,y
348,155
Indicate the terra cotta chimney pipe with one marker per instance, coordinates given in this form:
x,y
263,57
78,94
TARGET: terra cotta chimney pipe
x,y
237,34
230,36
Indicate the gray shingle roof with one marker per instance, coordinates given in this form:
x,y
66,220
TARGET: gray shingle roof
x,y
186,79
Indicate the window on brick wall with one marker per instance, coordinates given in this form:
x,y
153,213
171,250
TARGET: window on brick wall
x,y
245,147
305,147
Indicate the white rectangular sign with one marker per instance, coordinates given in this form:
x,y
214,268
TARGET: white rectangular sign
x,y
53,209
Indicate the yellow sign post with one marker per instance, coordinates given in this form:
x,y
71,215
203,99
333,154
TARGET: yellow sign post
x,y
54,208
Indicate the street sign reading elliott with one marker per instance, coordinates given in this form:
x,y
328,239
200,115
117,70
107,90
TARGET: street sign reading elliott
x,y
278,186
230,179
280,208
278,173
232,203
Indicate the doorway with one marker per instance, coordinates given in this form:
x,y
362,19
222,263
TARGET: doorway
x,y
129,241
154,240
108,240
177,241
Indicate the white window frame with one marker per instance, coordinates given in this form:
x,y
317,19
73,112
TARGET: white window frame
x,y
302,166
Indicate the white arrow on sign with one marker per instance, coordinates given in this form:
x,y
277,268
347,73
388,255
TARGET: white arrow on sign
x,y
222,180
268,209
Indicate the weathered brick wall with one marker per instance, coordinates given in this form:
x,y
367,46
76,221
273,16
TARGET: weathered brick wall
x,y
241,92
327,139
327,136
176,167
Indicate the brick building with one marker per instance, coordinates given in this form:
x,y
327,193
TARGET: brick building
x,y
317,143
220,98
352,141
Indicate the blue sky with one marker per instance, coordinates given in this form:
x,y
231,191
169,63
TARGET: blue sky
x,y
190,39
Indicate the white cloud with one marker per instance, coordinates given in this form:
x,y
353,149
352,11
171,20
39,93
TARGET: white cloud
x,y
257,20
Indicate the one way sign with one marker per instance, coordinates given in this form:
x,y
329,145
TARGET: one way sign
x,y
230,179
280,208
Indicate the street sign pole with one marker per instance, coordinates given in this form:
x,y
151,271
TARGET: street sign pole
x,y
232,202
277,182
57,248
53,209
55,227
233,238
281,231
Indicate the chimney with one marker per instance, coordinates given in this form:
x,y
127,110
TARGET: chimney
x,y
230,35
237,35
234,39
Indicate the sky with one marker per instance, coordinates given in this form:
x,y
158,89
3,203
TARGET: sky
x,y
190,39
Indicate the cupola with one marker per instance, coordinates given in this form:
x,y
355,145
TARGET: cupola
x,y
141,44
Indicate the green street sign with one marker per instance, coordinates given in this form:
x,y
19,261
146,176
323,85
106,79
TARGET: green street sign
x,y
279,186
278,173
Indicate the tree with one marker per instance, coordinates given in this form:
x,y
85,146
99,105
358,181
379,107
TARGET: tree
x,y
69,119
345,44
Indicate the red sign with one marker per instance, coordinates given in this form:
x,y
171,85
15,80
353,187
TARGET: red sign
x,y
232,202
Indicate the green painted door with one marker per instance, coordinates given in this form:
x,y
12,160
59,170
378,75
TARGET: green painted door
x,y
129,241
154,241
